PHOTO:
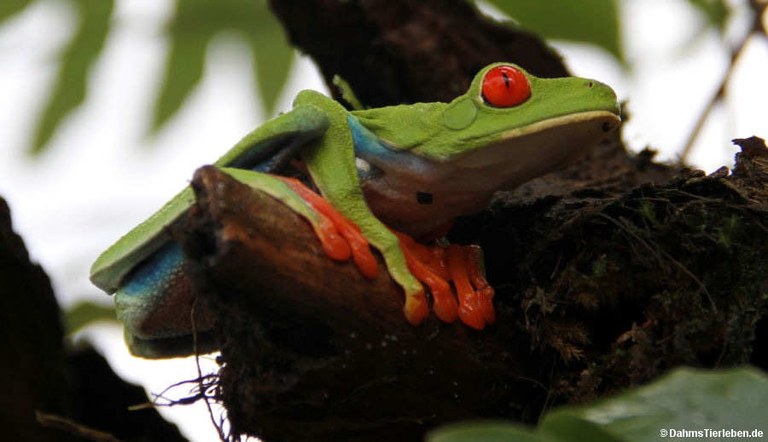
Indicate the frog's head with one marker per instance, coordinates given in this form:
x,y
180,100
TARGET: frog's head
x,y
508,128
519,124
525,124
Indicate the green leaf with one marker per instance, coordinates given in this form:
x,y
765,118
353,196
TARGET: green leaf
x,y
195,24
86,313
587,21
71,84
685,399
9,8
480,431
189,32
567,428
716,11
559,429
272,55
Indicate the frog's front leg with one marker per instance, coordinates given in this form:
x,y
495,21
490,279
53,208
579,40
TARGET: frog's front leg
x,y
331,163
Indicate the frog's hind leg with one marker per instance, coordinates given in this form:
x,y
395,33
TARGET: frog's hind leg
x,y
271,146
474,293
455,277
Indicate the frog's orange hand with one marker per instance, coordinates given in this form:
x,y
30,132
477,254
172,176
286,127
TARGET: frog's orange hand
x,y
474,292
476,268
437,265
339,236
428,266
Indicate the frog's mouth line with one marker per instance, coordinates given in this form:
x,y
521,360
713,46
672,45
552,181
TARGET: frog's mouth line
x,y
544,141
396,186
612,121
516,156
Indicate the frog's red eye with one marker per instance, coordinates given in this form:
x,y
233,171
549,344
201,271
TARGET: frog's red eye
x,y
505,86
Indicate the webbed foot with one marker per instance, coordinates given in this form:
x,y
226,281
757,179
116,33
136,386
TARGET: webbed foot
x,y
470,298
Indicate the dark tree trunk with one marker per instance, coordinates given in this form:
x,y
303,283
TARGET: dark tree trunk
x,y
402,51
51,392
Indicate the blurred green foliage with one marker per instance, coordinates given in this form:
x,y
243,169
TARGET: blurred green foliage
x,y
685,399
84,314
586,21
715,11
194,23
72,80
9,8
596,22
191,28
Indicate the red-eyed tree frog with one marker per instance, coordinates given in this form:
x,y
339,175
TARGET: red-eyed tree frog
x,y
386,175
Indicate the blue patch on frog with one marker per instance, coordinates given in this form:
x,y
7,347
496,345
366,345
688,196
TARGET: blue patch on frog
x,y
157,273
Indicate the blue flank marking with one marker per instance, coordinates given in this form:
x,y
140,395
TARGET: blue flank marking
x,y
157,273
371,148
366,142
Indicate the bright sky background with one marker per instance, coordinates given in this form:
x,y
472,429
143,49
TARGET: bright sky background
x,y
102,175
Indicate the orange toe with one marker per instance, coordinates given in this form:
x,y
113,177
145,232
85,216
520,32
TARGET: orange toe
x,y
474,256
416,308
470,306
469,298
420,263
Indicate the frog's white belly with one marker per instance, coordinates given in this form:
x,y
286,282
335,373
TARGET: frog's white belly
x,y
418,208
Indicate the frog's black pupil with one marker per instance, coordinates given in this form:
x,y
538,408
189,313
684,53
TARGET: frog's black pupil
x,y
423,197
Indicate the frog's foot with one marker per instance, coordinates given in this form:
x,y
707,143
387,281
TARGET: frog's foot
x,y
465,264
339,236
470,298
428,266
